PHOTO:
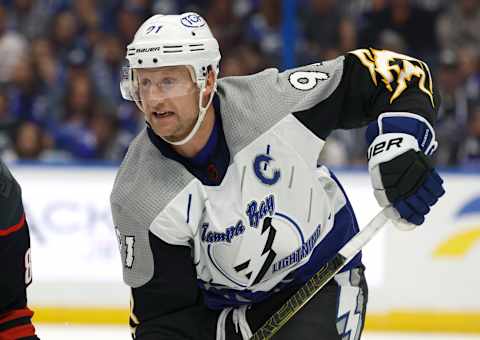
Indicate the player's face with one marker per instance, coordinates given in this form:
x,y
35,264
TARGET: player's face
x,y
169,100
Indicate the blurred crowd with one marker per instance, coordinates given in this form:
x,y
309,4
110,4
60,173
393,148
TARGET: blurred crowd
x,y
60,64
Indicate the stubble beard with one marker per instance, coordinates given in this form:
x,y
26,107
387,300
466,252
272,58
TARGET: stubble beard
x,y
180,131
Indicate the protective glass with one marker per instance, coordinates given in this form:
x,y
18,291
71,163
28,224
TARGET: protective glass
x,y
163,83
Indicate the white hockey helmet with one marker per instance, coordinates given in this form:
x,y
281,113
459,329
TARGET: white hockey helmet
x,y
172,40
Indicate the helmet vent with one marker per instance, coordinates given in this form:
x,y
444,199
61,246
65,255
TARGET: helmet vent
x,y
196,47
172,48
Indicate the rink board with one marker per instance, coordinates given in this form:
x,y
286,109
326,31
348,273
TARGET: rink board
x,y
422,280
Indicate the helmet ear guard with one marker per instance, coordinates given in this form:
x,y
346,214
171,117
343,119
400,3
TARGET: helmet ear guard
x,y
126,79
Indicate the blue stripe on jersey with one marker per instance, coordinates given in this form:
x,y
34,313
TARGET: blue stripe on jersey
x,y
294,224
188,207
344,227
212,260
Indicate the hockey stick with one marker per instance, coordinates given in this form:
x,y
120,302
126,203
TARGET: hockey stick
x,y
317,281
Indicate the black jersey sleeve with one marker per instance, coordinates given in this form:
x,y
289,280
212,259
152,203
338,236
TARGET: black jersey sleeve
x,y
170,305
15,317
373,82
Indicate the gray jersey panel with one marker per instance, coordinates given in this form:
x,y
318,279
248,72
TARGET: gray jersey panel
x,y
145,183
251,105
136,254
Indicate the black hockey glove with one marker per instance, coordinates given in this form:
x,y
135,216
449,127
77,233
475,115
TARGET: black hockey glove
x,y
401,171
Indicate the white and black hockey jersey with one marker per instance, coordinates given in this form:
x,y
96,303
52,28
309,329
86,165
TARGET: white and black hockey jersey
x,y
254,212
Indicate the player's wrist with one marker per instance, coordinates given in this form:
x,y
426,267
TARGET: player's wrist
x,y
407,123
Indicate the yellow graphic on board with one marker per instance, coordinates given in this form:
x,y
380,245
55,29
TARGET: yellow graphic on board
x,y
459,244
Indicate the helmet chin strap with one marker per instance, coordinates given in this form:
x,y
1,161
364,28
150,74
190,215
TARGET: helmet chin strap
x,y
201,115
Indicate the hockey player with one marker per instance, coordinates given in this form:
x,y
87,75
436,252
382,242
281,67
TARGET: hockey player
x,y
219,202
15,316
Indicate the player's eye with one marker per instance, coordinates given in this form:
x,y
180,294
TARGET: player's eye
x,y
145,82
168,82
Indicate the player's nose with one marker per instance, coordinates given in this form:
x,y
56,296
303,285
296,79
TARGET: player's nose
x,y
156,98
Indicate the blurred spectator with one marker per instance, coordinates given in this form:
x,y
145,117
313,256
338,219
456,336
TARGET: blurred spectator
x,y
12,47
29,17
79,99
345,147
45,62
453,112
334,153
224,23
264,30
469,68
87,14
105,72
166,6
65,34
469,153
106,65
111,142
5,116
460,26
73,134
29,142
27,100
89,22
328,32
412,23
391,40
245,59
356,8
131,120
129,19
